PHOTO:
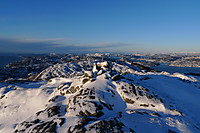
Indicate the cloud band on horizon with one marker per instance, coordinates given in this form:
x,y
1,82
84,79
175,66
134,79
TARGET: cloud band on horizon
x,y
53,45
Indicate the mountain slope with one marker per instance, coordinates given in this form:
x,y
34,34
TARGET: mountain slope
x,y
106,97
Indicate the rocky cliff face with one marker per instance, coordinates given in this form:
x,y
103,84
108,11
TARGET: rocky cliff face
x,y
102,97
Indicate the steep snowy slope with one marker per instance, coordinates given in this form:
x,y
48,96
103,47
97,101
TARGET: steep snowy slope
x,y
60,70
106,97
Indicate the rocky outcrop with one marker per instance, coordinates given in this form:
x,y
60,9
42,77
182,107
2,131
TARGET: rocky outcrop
x,y
133,94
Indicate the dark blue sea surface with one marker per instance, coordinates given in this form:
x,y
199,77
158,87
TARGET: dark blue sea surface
x,y
6,59
173,69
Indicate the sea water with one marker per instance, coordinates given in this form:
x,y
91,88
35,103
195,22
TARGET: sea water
x,y
6,59
174,69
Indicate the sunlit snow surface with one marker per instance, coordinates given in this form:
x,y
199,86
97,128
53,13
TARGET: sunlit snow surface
x,y
133,101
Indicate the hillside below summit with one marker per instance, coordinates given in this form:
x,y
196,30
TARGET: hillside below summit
x,y
102,97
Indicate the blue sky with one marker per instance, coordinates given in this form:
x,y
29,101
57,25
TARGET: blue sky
x,y
131,26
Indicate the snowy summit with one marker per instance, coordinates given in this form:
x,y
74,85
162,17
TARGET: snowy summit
x,y
101,97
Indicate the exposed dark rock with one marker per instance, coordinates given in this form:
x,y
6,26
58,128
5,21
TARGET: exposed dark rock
x,y
148,69
116,77
64,86
46,127
80,126
109,126
129,101
50,111
39,126
88,74
170,131
57,98
92,79
193,74
177,111
85,80
25,125
2,96
155,114
144,105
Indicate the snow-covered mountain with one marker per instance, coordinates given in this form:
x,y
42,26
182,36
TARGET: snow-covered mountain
x,y
105,97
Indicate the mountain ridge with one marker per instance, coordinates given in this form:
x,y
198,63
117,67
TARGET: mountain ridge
x,y
103,97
